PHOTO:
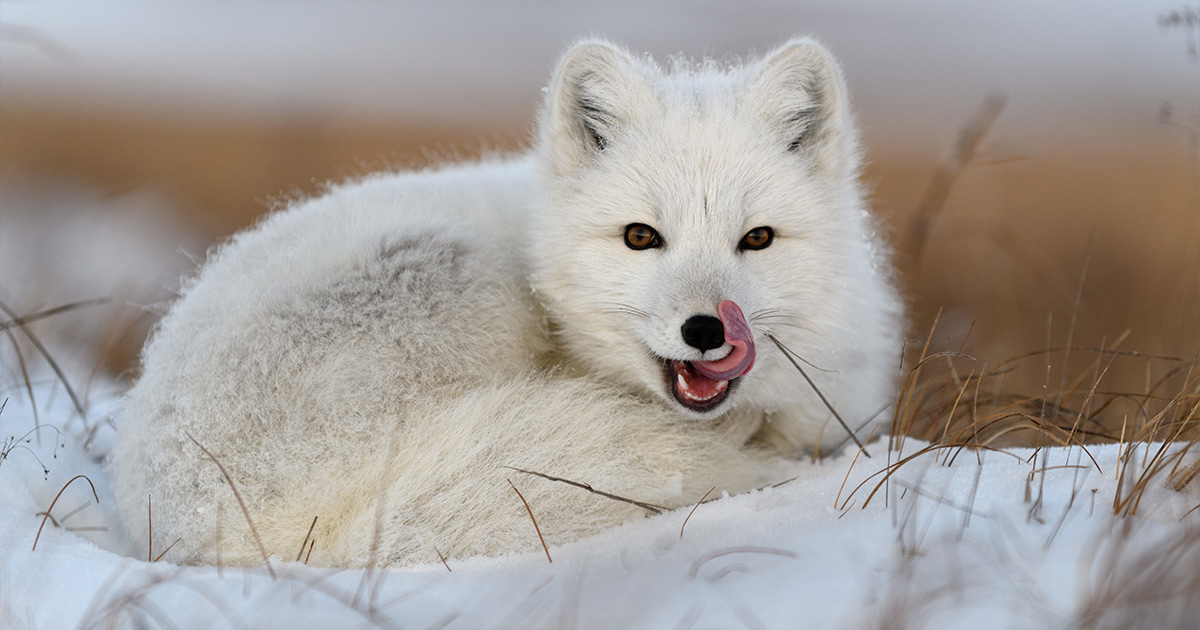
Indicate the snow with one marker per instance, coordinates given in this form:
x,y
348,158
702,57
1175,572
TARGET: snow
x,y
954,539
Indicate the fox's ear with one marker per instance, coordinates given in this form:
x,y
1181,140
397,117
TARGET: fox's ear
x,y
596,92
799,91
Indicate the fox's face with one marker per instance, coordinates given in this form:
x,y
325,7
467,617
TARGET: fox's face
x,y
694,218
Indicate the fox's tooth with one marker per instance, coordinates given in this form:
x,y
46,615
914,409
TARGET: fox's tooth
x,y
683,384
721,385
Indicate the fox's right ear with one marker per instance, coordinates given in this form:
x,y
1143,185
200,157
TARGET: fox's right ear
x,y
595,94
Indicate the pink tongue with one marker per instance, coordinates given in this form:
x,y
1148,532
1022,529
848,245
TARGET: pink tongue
x,y
738,335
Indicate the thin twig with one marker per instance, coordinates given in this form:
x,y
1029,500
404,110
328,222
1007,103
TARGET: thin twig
x,y
650,507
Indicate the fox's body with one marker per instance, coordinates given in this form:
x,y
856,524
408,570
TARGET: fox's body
x,y
599,310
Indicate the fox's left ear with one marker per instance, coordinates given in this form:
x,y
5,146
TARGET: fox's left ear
x,y
800,92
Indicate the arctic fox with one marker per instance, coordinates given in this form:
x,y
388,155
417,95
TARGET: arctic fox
x,y
387,358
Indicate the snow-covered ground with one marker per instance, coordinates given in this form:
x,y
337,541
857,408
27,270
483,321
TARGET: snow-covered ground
x,y
954,539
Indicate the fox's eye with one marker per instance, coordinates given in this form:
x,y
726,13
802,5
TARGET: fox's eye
x,y
758,238
641,236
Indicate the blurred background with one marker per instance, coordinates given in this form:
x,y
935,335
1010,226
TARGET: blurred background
x,y
1035,163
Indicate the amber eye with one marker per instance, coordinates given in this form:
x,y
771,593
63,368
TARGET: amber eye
x,y
758,238
641,236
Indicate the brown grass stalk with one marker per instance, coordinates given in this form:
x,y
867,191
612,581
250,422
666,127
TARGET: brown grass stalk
x,y
50,312
55,502
304,543
62,377
245,511
443,559
164,552
689,516
938,191
535,523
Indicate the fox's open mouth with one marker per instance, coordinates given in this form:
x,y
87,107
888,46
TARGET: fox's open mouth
x,y
702,386
694,390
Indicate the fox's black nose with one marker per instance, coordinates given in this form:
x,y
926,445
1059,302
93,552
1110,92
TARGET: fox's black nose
x,y
703,332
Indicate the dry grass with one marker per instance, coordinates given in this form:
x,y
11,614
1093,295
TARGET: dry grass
x,y
950,398
537,529
46,515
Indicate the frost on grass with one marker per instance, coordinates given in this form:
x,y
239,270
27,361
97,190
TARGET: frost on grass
x,y
1094,523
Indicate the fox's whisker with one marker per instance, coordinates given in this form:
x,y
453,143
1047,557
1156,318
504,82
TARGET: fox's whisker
x,y
767,313
618,307
789,351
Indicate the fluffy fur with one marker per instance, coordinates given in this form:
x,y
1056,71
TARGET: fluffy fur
x,y
377,356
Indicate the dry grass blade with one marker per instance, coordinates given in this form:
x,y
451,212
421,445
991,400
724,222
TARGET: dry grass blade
x,y
1140,580
1055,349
369,584
1159,462
535,523
28,384
443,559
650,507
965,148
304,543
10,444
169,547
238,496
908,406
689,516
890,469
788,353
50,312
939,355
848,471
725,552
62,377
55,501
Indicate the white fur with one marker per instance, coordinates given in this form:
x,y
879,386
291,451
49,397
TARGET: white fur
x,y
377,356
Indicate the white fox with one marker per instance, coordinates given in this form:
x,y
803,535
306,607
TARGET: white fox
x,y
602,310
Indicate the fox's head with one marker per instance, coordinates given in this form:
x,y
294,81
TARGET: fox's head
x,y
693,214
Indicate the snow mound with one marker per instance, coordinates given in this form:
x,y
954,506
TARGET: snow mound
x,y
952,538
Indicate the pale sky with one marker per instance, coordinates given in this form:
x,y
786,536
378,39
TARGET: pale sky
x,y
1089,73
